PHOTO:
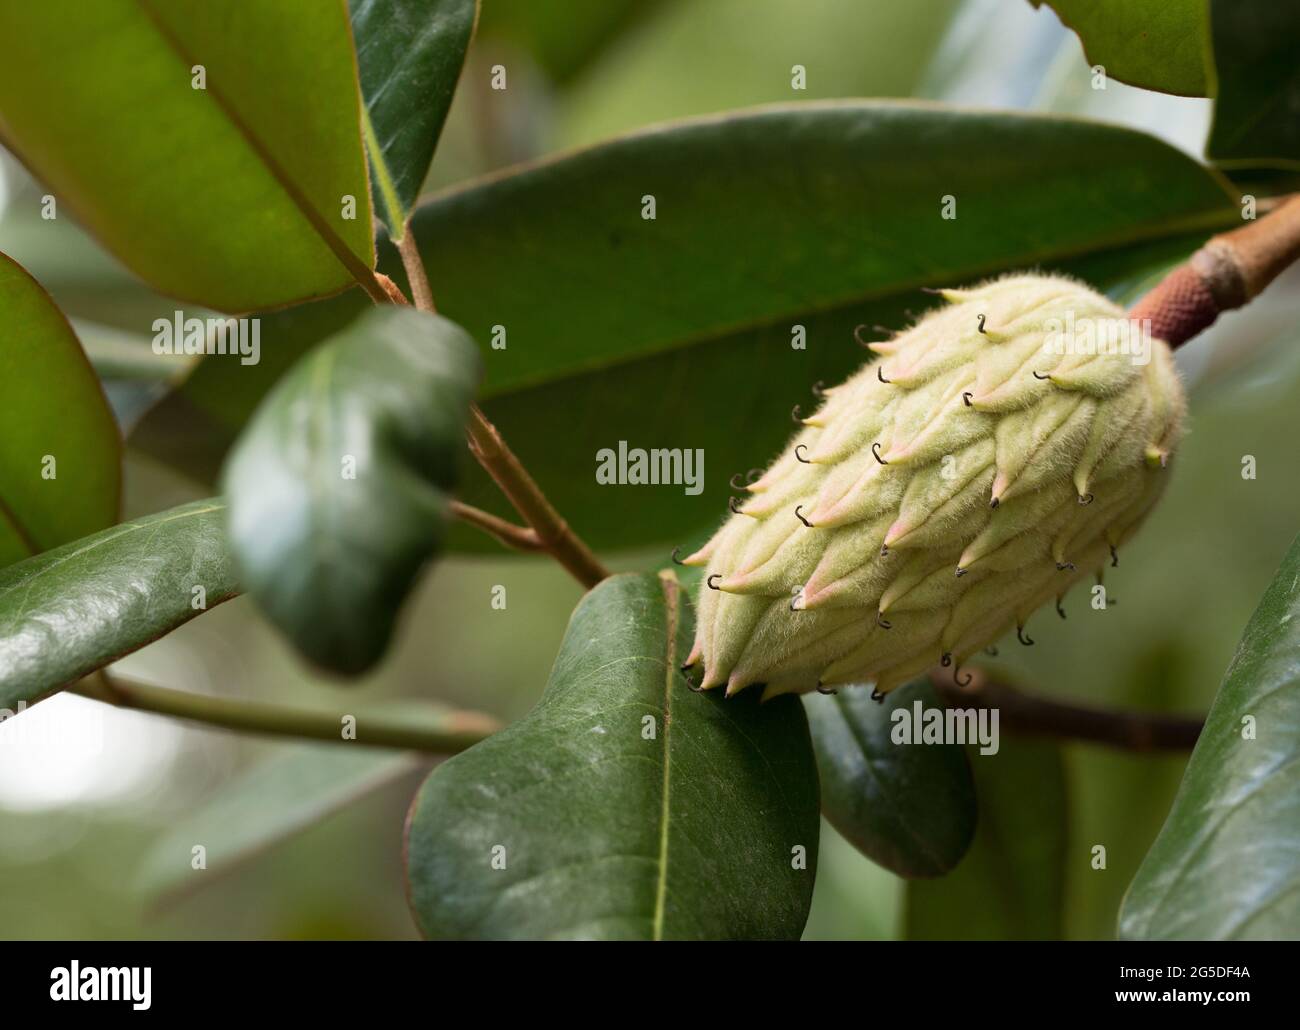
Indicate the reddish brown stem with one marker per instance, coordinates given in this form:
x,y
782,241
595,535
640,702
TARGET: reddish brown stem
x,y
1030,713
522,538
1230,270
556,536
415,273
391,289
548,531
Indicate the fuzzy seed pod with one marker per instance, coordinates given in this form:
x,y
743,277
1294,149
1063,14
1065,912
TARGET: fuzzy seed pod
x,y
995,454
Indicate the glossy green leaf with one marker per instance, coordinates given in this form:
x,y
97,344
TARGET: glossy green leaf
x,y
802,207
1011,885
106,304
1226,866
85,281
624,805
409,53
1257,82
231,195
908,806
60,452
279,797
338,489
563,36
676,332
1155,44
78,607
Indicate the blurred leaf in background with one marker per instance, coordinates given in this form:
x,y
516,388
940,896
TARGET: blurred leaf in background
x,y
854,899
699,58
563,36
296,787
1226,865
339,491
1011,884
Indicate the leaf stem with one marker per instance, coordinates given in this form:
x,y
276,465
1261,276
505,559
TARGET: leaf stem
x,y
460,729
391,290
1229,271
415,273
522,538
553,534
556,536
1018,710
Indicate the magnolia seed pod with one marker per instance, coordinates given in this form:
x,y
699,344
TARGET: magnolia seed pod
x,y
994,455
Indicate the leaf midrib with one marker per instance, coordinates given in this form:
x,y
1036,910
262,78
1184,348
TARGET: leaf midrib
x,y
355,267
387,188
672,611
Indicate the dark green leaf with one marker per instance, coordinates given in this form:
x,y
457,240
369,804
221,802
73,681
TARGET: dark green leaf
x,y
295,788
1226,866
1011,885
409,54
606,831
841,227
908,806
847,208
72,610
60,452
676,332
231,195
1257,82
1155,44
338,489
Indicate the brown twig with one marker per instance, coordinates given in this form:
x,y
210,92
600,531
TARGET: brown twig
x,y
1017,710
521,538
415,273
1230,270
556,536
549,532
392,290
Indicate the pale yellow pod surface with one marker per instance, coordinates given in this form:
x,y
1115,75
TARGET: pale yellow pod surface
x,y
994,455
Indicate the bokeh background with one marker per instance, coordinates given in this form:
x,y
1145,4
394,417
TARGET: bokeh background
x,y
89,795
